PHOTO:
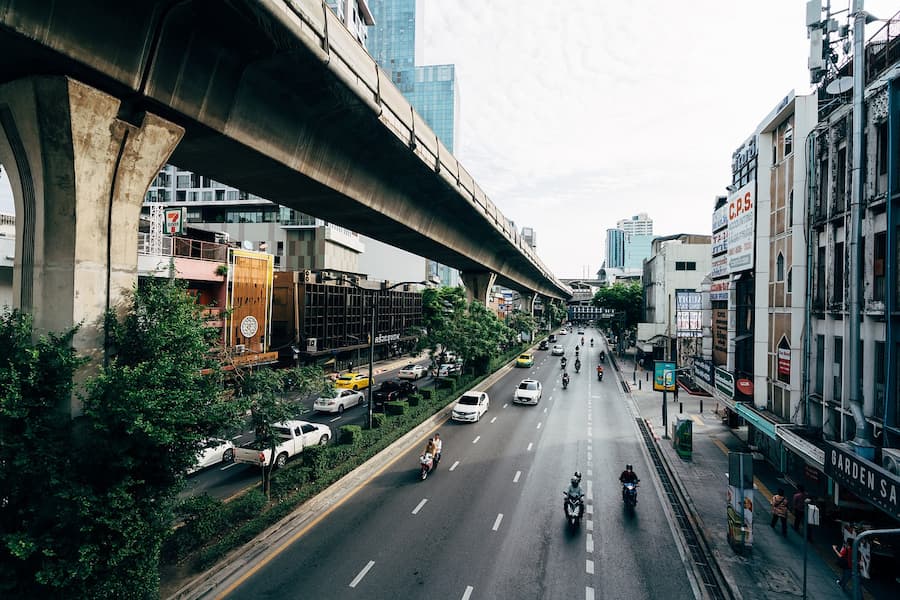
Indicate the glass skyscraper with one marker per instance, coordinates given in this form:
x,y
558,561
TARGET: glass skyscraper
x,y
431,89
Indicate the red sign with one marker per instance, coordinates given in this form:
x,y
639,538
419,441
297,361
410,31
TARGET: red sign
x,y
745,386
784,361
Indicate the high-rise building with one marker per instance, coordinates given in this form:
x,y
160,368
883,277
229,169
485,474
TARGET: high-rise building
x,y
637,249
639,224
355,15
615,248
530,237
430,89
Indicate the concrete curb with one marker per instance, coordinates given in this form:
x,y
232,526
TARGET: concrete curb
x,y
232,568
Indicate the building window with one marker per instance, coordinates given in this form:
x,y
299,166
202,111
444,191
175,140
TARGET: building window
x,y
837,293
820,279
878,265
790,281
685,265
840,191
820,364
837,370
788,139
779,267
822,195
881,157
880,380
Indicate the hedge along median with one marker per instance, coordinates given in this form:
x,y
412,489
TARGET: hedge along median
x,y
213,528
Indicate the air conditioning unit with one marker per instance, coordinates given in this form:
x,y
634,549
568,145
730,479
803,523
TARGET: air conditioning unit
x,y
890,460
311,344
309,277
240,348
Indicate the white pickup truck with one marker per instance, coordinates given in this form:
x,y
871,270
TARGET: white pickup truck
x,y
294,435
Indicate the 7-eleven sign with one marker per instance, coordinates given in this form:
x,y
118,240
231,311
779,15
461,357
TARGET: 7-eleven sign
x,y
174,221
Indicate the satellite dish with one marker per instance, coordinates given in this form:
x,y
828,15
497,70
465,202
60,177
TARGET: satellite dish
x,y
840,85
247,245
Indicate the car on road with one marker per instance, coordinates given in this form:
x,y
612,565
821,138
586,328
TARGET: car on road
x,y
525,360
471,406
214,451
563,331
341,400
551,338
581,332
543,345
353,381
557,350
528,392
391,391
412,372
450,370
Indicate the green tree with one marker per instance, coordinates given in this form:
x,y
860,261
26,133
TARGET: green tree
x,y
555,312
38,551
274,396
522,322
101,502
627,298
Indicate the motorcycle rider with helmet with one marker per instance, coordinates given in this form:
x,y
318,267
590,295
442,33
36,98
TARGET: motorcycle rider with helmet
x,y
575,492
628,476
565,379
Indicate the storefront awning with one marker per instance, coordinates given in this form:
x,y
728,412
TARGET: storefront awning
x,y
757,420
811,453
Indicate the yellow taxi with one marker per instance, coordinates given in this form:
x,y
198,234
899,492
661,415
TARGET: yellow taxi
x,y
525,360
352,381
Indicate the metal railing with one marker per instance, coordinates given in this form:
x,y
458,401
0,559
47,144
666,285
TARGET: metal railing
x,y
185,247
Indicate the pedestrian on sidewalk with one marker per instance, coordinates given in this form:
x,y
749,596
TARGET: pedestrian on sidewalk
x,y
675,393
798,504
779,511
844,558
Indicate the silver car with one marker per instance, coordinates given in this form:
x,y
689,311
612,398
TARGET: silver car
x,y
528,392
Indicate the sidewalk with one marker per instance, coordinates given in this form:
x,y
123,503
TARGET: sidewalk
x,y
774,567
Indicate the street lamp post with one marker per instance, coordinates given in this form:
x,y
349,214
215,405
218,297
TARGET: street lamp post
x,y
374,305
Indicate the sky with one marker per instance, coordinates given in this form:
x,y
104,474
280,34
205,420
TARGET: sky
x,y
576,114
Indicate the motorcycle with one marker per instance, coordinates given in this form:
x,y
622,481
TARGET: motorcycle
x,y
599,374
592,342
582,341
574,507
577,366
565,382
562,363
602,356
427,464
629,494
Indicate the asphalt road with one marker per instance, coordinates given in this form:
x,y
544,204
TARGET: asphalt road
x,y
223,481
489,523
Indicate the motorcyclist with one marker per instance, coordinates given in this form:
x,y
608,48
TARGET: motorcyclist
x,y
577,365
438,447
582,341
574,490
563,362
600,372
592,342
602,356
628,476
576,351
565,379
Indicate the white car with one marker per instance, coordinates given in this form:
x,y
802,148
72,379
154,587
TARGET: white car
x,y
337,403
471,406
557,350
563,331
214,452
412,372
528,392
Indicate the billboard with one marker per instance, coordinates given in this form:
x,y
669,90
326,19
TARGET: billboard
x,y
741,228
719,267
720,218
688,311
663,376
720,242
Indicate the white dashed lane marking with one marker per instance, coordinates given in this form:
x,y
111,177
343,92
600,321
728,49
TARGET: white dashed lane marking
x,y
494,419
475,441
361,574
516,478
468,593
419,506
589,567
539,425
529,447
456,464
497,522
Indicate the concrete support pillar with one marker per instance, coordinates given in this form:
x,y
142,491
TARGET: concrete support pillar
x,y
478,285
528,299
79,173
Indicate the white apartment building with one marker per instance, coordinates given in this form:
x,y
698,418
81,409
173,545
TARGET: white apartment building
x,y
639,224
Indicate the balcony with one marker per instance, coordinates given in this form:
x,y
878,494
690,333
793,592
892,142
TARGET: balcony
x,y
190,259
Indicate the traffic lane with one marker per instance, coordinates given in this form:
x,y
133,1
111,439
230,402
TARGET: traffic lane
x,y
562,562
222,481
457,505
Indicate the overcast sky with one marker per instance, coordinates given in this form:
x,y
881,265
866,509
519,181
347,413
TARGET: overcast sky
x,y
576,114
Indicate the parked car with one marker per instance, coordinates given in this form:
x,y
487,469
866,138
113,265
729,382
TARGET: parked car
x,y
214,451
353,381
450,370
557,350
391,391
525,360
342,400
471,406
528,392
543,345
412,372
294,436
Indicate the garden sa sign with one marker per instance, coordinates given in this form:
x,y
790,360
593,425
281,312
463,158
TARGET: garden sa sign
x,y
865,479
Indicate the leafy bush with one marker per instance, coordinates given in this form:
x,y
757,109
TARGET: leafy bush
x,y
350,435
395,408
413,400
315,458
379,420
246,506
